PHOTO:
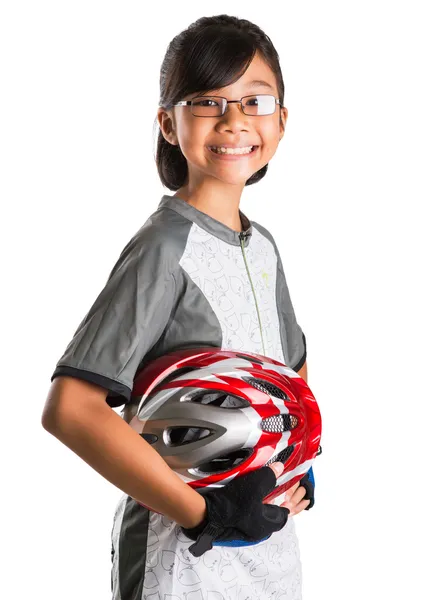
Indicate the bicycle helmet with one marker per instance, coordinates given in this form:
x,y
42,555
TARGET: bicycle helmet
x,y
217,414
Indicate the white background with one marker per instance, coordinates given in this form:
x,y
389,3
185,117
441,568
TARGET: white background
x,y
355,197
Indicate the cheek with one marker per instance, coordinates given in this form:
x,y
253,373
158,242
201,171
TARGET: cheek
x,y
192,139
269,148
270,136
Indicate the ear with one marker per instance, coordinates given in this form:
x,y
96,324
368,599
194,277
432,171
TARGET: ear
x,y
167,125
283,119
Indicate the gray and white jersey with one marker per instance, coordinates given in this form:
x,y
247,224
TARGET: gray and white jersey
x,y
186,280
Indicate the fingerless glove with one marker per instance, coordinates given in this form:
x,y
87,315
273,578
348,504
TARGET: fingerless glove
x,y
236,512
308,483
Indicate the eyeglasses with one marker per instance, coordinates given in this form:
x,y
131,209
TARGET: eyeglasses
x,y
215,106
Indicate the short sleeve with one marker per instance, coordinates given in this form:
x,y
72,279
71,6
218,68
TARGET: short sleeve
x,y
294,341
125,321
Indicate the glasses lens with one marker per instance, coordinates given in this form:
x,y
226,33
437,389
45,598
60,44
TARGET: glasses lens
x,y
207,106
262,104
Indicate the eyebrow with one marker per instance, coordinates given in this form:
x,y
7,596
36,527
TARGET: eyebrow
x,y
253,83
260,83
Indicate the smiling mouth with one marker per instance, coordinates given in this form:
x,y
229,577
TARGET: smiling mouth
x,y
233,152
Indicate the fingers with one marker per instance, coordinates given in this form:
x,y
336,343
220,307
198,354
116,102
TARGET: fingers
x,y
295,503
278,468
295,495
298,507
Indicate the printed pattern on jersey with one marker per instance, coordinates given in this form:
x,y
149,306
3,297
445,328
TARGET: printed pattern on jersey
x,y
219,270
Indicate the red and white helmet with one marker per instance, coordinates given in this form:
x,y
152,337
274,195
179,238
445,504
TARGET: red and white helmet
x,y
218,414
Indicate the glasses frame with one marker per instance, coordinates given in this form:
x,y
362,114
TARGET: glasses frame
x,y
225,103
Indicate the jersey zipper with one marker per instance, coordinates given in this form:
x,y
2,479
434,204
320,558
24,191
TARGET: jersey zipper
x,y
242,237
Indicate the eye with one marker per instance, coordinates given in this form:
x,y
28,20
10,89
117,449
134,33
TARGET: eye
x,y
252,101
205,102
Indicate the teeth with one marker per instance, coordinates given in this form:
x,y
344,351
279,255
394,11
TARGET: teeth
x,y
220,150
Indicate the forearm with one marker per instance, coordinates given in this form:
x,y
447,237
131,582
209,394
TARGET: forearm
x,y
303,372
110,446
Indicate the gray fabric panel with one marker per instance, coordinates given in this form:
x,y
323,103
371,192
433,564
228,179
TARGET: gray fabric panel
x,y
132,551
213,226
193,323
132,311
292,336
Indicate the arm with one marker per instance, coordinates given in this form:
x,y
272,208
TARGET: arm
x,y
77,414
303,372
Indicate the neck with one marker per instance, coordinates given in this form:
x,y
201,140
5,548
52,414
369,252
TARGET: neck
x,y
222,205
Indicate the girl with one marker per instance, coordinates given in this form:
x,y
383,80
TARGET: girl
x,y
197,273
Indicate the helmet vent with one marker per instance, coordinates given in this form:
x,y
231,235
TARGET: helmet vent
x,y
179,436
267,387
252,359
224,463
279,423
282,456
220,399
151,438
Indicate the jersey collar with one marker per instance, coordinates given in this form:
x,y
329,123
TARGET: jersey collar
x,y
213,226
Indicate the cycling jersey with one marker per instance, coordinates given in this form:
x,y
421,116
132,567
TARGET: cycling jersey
x,y
186,280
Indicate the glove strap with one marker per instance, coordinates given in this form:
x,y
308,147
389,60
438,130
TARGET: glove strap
x,y
205,539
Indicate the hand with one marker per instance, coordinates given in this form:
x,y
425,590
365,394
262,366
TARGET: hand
x,y
294,497
236,512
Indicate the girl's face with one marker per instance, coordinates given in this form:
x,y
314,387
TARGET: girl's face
x,y
195,135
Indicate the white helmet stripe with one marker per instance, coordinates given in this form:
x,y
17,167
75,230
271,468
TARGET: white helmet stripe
x,y
299,470
157,400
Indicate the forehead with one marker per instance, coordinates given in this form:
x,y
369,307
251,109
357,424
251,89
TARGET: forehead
x,y
258,78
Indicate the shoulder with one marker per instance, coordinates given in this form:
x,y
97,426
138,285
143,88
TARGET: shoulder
x,y
163,236
265,233
160,241
268,235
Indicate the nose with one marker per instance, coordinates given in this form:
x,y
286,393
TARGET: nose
x,y
234,118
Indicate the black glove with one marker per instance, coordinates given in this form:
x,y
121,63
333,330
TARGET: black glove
x,y
309,486
236,512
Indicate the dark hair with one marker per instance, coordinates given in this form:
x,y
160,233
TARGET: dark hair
x,y
211,53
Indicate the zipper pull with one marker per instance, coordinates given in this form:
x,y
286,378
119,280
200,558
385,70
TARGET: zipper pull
x,y
243,236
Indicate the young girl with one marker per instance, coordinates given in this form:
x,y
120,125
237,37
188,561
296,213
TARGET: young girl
x,y
197,273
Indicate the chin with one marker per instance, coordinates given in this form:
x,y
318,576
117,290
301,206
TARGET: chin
x,y
241,180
